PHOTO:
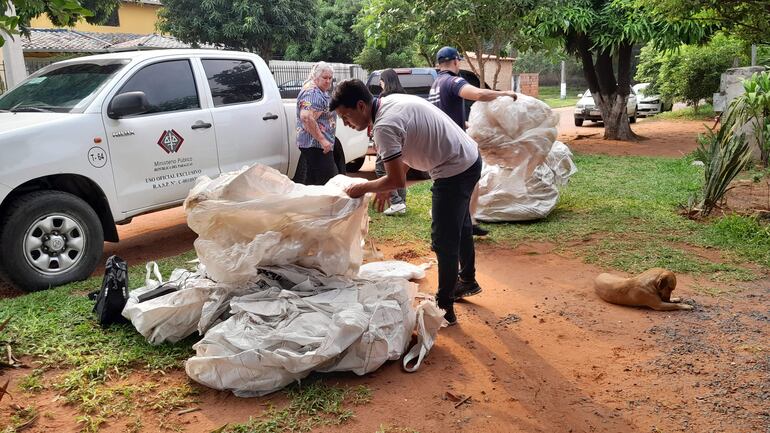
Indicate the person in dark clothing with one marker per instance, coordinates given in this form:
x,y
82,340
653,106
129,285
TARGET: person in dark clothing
x,y
390,84
411,132
449,92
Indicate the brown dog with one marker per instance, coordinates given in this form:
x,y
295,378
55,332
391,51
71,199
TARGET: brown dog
x,y
652,288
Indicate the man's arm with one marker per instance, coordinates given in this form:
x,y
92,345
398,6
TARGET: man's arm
x,y
309,119
395,177
473,93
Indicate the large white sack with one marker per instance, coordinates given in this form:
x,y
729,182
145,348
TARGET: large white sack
x,y
504,195
277,336
259,217
515,134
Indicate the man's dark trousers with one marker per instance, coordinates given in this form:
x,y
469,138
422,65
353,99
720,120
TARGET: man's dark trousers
x,y
452,232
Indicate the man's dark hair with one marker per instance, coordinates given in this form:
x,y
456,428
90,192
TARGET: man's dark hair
x,y
348,93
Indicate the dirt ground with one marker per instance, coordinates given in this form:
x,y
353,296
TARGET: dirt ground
x,y
536,351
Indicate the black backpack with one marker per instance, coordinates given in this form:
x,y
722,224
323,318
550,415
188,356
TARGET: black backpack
x,y
113,295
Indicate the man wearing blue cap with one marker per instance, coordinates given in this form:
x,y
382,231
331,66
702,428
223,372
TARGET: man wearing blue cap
x,y
448,93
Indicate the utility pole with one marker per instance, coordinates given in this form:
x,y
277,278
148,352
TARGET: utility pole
x,y
13,57
563,91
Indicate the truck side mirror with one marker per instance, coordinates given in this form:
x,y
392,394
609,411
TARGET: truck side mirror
x,y
128,104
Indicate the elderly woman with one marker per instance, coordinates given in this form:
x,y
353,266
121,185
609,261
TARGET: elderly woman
x,y
315,128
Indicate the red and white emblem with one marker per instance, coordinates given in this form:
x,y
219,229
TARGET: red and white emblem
x,y
170,141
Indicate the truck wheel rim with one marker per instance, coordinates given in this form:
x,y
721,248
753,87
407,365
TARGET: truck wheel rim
x,y
54,244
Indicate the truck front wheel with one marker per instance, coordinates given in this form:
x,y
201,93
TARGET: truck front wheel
x,y
49,238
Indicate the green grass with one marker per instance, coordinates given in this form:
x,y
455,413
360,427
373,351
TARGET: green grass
x,y
551,96
309,406
619,212
705,112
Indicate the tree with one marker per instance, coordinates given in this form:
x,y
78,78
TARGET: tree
x,y
602,34
691,72
745,19
63,13
332,38
263,27
480,26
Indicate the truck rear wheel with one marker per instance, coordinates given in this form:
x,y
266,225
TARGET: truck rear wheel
x,y
50,238
339,157
355,165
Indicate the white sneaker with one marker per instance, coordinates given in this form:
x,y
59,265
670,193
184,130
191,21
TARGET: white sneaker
x,y
399,208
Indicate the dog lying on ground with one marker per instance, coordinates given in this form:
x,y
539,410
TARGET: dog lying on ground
x,y
652,288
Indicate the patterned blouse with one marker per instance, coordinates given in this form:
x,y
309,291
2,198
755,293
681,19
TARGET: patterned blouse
x,y
312,98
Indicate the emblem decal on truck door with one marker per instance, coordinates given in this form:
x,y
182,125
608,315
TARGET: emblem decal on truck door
x,y
170,141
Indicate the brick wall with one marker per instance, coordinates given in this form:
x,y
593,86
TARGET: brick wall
x,y
529,84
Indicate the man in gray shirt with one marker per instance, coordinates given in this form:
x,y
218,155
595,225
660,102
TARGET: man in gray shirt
x,y
411,132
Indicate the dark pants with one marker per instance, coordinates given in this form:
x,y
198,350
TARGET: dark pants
x,y
452,232
396,196
315,167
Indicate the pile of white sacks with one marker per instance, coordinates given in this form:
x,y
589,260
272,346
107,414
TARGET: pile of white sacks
x,y
524,164
278,294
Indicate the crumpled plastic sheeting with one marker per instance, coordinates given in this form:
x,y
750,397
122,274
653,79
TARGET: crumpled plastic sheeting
x,y
174,316
278,336
504,195
259,217
392,269
514,134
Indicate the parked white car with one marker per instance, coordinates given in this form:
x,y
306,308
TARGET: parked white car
x,y
586,108
89,143
649,105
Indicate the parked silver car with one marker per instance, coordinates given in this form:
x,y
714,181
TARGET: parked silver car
x,y
586,109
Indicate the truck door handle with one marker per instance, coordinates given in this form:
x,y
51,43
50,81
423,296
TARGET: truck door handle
x,y
270,116
201,125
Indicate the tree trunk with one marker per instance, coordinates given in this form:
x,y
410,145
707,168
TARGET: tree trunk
x,y
610,95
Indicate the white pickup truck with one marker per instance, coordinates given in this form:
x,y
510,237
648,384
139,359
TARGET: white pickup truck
x,y
88,143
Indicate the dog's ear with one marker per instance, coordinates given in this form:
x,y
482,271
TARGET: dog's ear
x,y
665,284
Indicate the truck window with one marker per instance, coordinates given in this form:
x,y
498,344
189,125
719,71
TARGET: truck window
x,y
169,86
232,81
61,88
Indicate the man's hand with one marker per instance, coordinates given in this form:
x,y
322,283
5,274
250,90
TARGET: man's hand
x,y
511,93
357,190
381,201
327,145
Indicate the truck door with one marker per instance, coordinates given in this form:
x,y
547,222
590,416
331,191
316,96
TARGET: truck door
x,y
156,156
249,124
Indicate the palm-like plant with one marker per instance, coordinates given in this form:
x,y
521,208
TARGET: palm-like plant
x,y
729,148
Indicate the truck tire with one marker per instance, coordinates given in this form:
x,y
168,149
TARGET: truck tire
x,y
578,122
355,165
339,157
50,238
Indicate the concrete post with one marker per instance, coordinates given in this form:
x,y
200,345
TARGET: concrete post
x,y
13,57
753,55
563,91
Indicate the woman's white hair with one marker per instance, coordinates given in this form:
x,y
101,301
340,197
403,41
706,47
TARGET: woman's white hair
x,y
319,69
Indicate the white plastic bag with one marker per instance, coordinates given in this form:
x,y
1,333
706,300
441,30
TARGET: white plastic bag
x,y
503,197
392,269
259,217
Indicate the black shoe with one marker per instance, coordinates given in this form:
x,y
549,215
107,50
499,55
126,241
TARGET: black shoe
x,y
449,314
479,231
464,289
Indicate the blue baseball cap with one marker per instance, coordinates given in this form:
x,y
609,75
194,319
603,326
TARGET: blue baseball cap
x,y
446,54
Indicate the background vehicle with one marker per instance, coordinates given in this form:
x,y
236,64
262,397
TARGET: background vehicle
x,y
415,81
89,143
290,89
586,109
649,105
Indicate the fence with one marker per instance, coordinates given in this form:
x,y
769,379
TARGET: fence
x,y
290,75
